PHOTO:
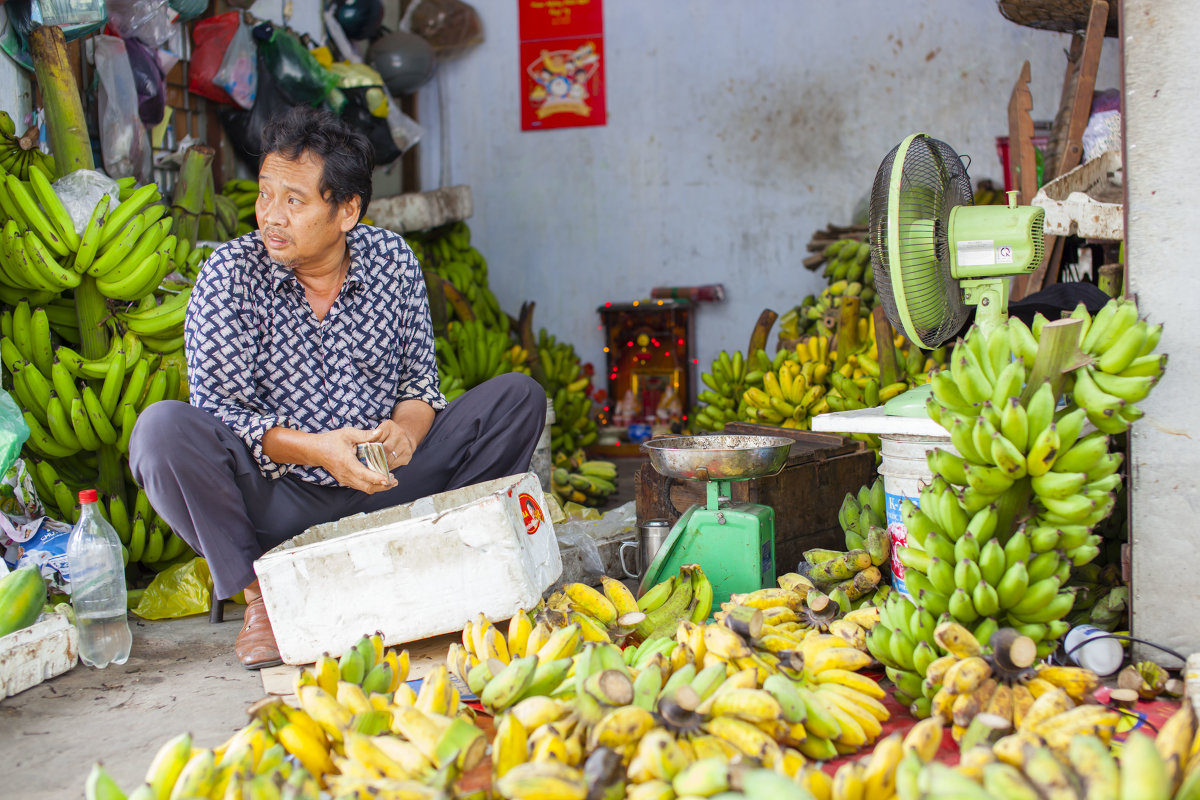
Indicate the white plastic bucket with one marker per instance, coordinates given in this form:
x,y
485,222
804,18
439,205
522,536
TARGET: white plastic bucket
x,y
905,470
541,464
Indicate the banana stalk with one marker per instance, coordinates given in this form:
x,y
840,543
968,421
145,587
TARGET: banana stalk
x,y
1058,353
195,179
65,120
847,333
885,346
762,329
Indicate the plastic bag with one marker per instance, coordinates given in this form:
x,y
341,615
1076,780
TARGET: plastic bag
x,y
81,190
451,26
13,431
18,496
238,74
148,78
181,590
146,20
577,537
1103,133
582,548
357,114
244,128
297,73
123,139
210,39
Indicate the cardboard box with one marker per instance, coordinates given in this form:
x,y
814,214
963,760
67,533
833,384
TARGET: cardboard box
x,y
411,571
31,655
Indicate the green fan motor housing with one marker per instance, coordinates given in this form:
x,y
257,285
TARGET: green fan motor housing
x,y
995,241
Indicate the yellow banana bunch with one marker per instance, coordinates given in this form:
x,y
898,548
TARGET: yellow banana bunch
x,y
1069,756
808,376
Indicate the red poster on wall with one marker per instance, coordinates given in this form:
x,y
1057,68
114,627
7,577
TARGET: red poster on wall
x,y
562,63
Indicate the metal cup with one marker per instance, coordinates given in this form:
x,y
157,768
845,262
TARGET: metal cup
x,y
651,535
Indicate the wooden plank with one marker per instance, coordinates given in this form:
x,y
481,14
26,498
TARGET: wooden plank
x,y
1022,161
1066,140
1076,105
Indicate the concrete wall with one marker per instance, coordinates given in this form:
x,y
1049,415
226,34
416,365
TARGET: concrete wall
x,y
14,91
1161,122
735,131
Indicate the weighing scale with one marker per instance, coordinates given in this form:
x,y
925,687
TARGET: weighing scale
x,y
733,542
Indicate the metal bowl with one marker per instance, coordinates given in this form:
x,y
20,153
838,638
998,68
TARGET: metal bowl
x,y
719,457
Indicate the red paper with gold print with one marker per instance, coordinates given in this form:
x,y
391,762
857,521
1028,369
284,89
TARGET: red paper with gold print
x,y
562,63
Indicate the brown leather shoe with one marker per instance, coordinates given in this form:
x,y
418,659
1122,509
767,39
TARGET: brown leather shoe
x,y
255,646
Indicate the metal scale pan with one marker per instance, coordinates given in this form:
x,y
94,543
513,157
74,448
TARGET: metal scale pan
x,y
734,543
718,457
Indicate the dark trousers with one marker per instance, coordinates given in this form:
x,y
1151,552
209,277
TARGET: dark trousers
x,y
201,479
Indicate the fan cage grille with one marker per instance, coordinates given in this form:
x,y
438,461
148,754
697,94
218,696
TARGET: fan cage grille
x,y
932,182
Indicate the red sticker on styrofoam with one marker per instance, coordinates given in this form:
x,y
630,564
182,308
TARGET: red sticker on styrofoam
x,y
531,513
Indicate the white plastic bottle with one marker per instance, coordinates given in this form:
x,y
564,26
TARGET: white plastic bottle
x,y
1090,648
98,587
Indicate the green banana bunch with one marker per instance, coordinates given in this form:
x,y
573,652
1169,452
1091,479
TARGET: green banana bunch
x,y
1016,459
861,512
243,192
728,379
447,253
568,384
576,479
19,154
473,352
126,248
75,407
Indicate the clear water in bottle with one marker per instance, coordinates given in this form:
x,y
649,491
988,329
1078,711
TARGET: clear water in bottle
x,y
98,587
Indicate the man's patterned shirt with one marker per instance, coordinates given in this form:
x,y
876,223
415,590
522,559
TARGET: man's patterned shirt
x,y
258,358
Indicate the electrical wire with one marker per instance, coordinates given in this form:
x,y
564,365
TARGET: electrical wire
x,y
1128,638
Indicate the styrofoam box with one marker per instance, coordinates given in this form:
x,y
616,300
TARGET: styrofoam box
x,y
31,655
1086,201
412,571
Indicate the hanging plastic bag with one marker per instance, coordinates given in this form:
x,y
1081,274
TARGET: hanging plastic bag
x,y
244,128
357,114
149,80
13,431
123,140
146,20
238,74
181,590
210,39
297,73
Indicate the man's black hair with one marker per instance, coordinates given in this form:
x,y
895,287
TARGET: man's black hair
x,y
346,154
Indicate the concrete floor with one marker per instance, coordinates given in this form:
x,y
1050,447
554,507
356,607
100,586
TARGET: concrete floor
x,y
181,676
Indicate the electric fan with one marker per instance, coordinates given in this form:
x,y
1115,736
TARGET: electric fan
x,y
934,253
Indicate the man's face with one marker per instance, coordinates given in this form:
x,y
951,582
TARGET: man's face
x,y
298,225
